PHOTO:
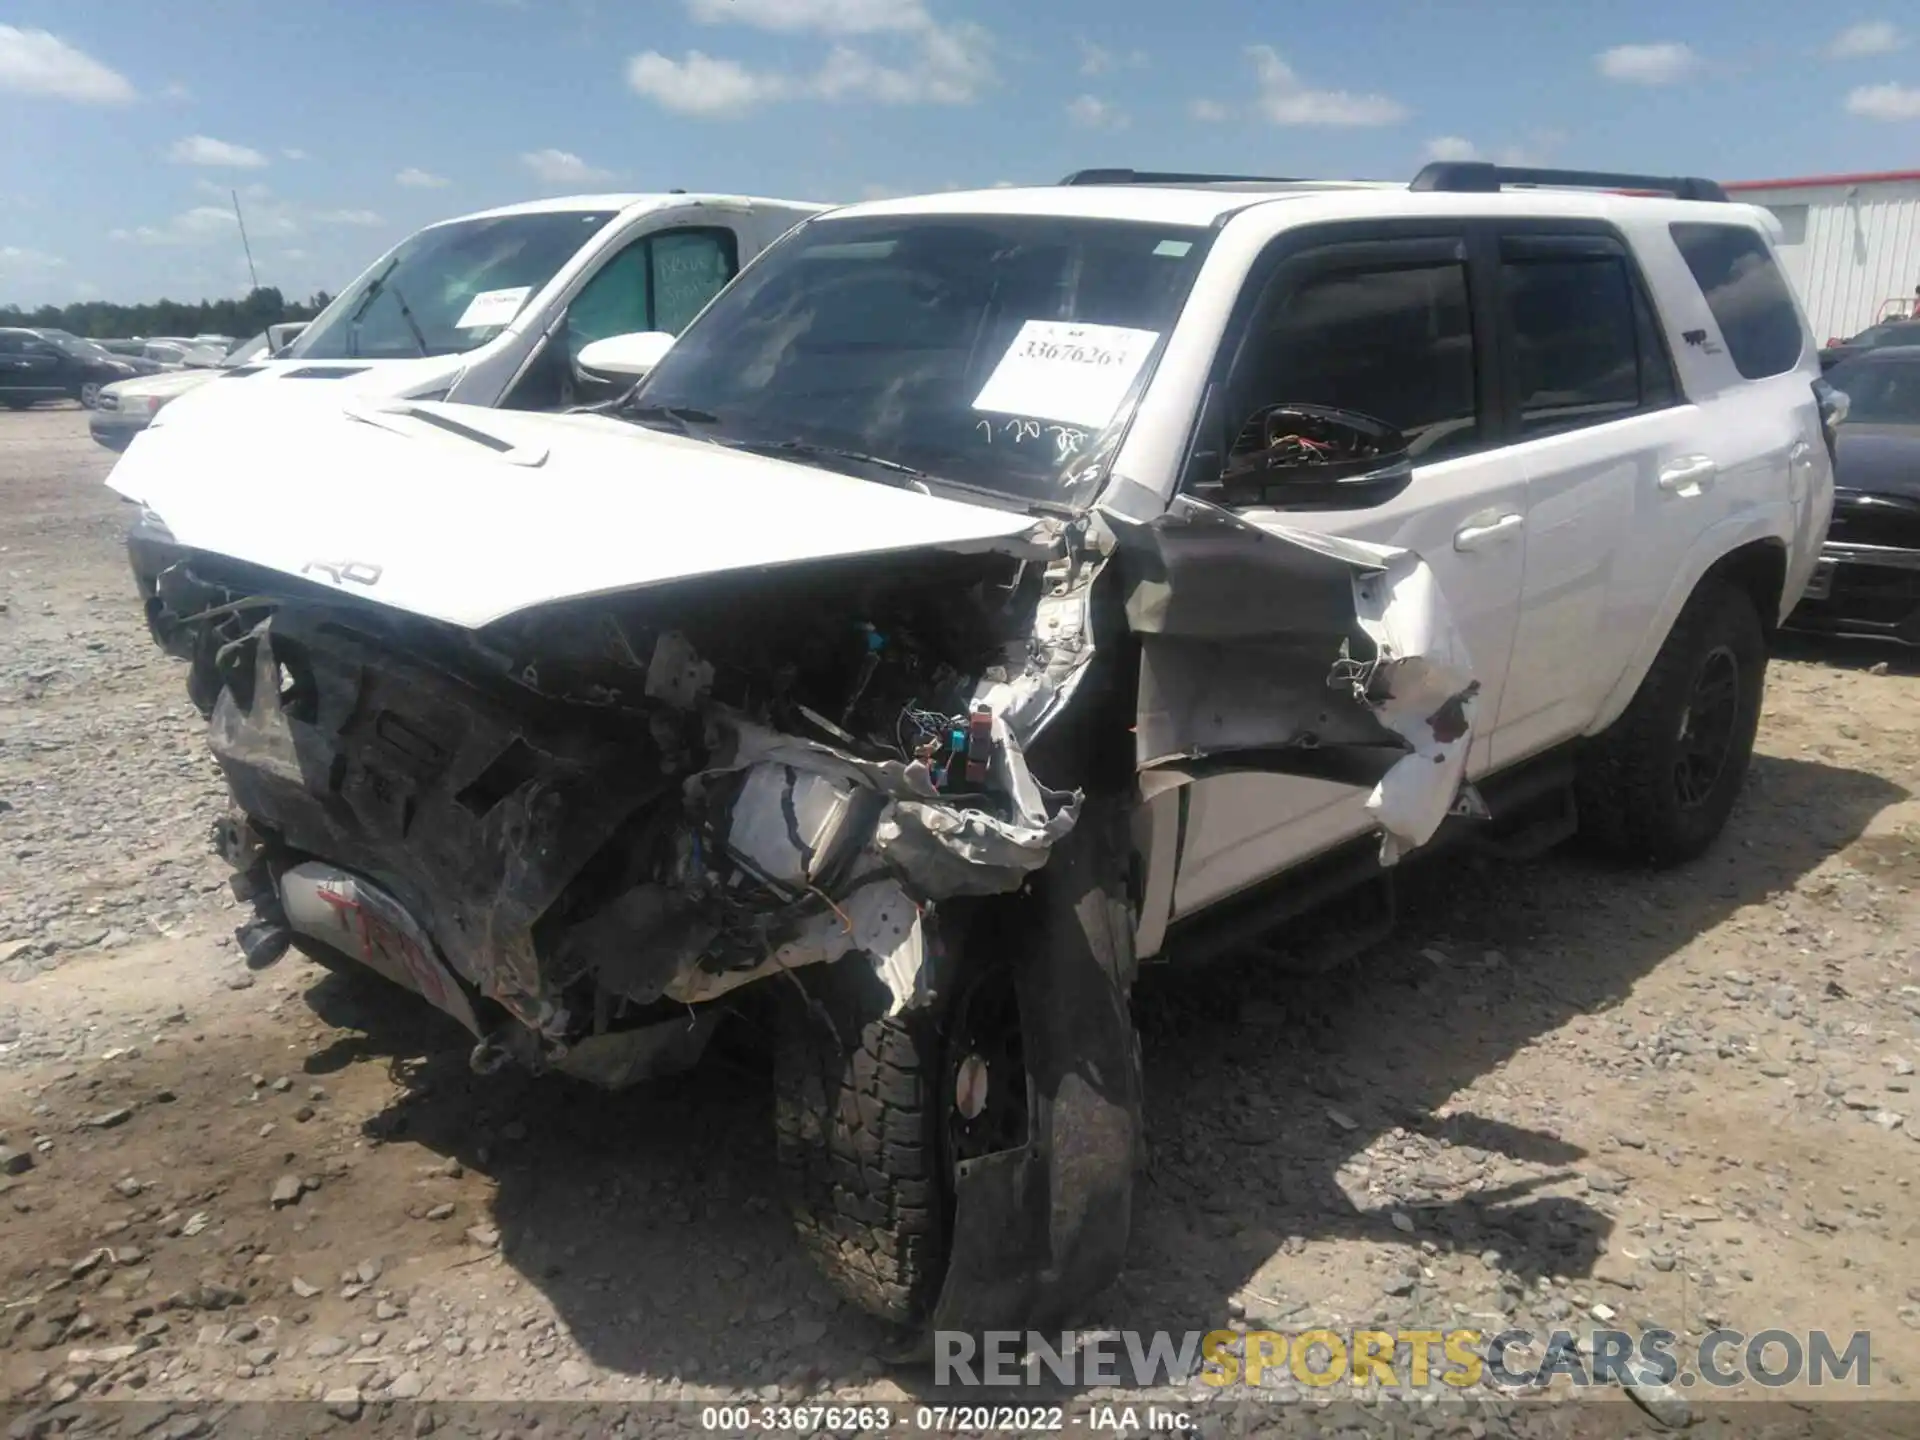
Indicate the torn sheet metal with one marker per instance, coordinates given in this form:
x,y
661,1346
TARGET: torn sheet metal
x,y
1290,652
938,847
1422,687
879,920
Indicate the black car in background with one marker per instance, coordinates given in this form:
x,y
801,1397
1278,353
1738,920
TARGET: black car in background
x,y
1874,337
1868,579
38,365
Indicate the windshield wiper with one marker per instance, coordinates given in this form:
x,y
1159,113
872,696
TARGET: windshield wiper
x,y
374,287
681,416
807,450
406,314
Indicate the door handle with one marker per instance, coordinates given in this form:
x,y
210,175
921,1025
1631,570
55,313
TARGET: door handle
x,y
1479,537
1687,474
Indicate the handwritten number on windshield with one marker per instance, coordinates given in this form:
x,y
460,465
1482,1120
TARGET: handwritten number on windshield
x,y
1066,439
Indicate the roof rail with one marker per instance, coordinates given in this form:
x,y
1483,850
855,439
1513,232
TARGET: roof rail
x,y
1172,177
1480,178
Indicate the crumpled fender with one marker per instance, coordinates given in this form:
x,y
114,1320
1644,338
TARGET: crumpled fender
x,y
1039,1229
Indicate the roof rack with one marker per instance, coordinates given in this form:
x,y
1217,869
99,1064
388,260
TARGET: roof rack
x,y
1173,177
1480,178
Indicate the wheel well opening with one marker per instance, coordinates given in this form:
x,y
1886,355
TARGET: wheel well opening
x,y
1760,569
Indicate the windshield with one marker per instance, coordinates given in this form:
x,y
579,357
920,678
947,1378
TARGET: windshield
x,y
73,345
992,352
1879,392
449,288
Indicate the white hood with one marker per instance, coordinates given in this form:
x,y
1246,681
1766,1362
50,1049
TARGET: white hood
x,y
165,385
328,381
384,503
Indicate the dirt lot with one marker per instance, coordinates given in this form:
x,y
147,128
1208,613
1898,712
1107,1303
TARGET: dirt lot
x,y
1686,1098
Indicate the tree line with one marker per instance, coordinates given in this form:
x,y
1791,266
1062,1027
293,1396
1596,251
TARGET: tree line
x,y
105,320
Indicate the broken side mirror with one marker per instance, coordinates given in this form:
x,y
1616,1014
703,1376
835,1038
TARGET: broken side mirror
x,y
623,357
1315,457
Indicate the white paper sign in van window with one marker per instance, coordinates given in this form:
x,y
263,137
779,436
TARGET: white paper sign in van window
x,y
493,307
1076,374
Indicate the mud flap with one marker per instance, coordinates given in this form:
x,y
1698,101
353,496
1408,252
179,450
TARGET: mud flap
x,y
1039,1230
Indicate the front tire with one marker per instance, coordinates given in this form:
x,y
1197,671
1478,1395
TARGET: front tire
x,y
856,1138
1659,783
89,396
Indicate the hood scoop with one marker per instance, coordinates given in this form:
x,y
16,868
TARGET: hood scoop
x,y
234,372
325,372
413,418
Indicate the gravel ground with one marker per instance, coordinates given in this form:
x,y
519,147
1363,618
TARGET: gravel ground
x,y
1559,1093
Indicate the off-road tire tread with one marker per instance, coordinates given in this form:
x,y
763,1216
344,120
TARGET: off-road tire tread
x,y
855,1139
1623,789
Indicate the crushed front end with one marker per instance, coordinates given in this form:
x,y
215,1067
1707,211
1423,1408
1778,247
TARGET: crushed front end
x,y
571,830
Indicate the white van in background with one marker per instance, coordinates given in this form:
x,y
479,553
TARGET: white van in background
x,y
493,308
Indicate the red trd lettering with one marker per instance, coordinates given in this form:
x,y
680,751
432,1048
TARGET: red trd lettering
x,y
380,937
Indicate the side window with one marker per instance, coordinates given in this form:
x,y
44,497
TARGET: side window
x,y
1581,343
618,300
1747,294
659,282
9,344
1394,342
689,268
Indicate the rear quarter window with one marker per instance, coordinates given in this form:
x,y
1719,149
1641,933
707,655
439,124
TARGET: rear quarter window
x,y
1747,294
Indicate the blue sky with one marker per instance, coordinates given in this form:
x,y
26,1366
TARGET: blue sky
x,y
346,124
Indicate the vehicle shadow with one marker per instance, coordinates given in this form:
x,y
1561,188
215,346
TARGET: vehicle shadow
x,y
650,1219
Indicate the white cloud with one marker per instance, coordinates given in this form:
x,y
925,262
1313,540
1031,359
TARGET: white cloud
x,y
1210,111
702,85
1885,102
350,217
205,150
830,17
1869,37
1090,112
951,65
562,167
1286,101
267,219
176,91
1098,60
1663,63
294,154
33,62
19,257
932,63
195,226
1451,147
418,179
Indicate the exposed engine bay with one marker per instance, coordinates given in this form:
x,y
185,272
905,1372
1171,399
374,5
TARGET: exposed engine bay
x,y
605,812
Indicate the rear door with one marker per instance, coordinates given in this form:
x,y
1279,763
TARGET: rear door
x,y
1617,477
1391,324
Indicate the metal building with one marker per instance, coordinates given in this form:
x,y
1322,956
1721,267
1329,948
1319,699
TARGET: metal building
x,y
1851,244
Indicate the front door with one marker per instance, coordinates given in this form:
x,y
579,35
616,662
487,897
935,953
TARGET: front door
x,y
1395,330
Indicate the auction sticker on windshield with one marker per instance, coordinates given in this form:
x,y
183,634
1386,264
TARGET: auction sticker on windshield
x,y
493,307
1076,374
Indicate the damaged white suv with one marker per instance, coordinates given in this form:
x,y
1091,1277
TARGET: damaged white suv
x,y
986,593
